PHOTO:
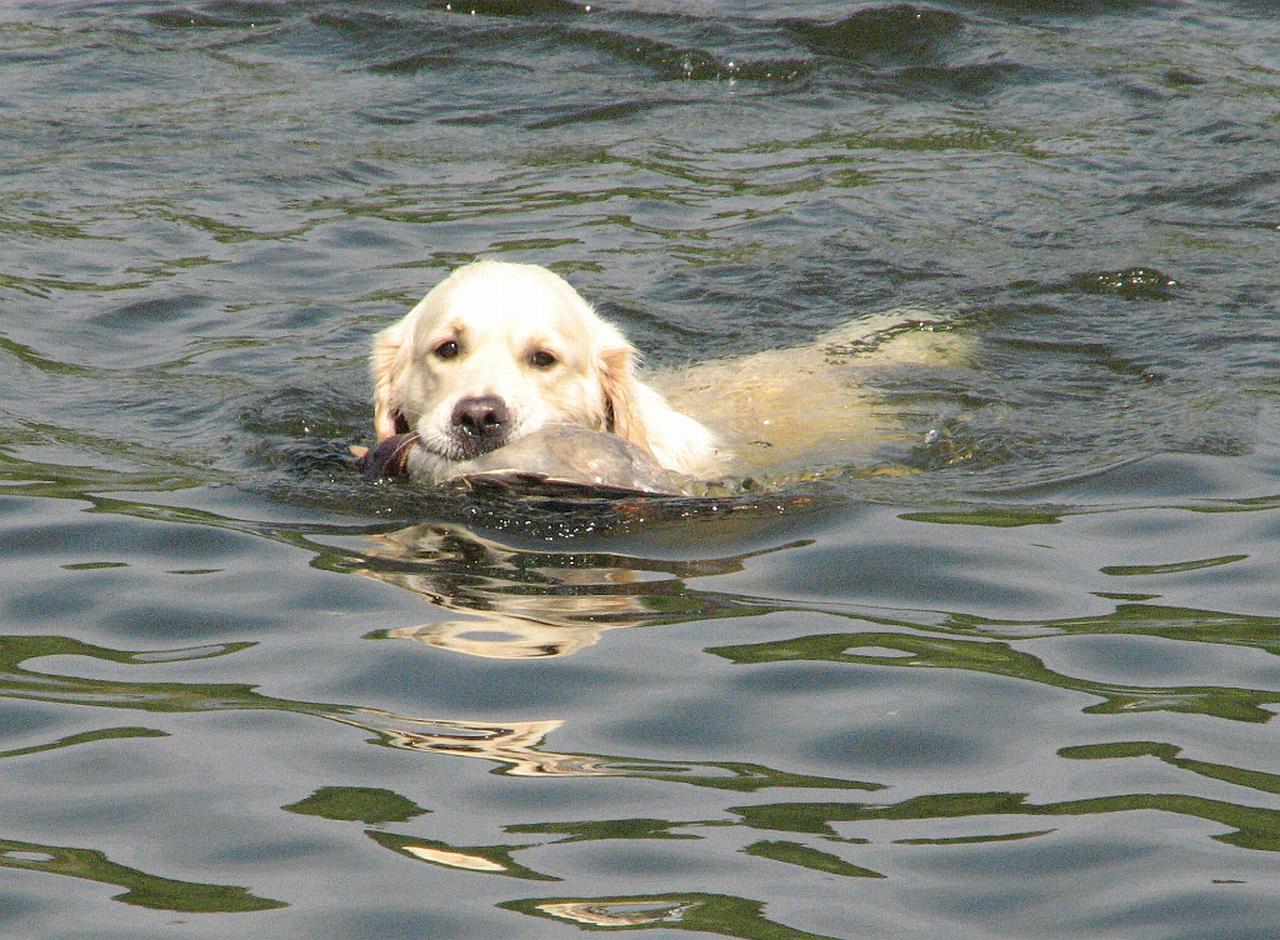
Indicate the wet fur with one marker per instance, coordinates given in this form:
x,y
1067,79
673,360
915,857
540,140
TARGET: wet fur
x,y
500,314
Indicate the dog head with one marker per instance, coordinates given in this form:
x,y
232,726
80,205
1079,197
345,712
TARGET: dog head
x,y
494,352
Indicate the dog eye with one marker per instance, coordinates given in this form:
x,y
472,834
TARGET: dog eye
x,y
542,359
446,350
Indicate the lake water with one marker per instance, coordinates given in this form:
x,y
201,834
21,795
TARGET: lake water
x,y
1011,674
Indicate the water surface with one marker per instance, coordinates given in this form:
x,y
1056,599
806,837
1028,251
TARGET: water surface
x,y
1011,671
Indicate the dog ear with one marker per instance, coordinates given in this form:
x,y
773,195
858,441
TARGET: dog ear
x,y
622,393
392,353
642,416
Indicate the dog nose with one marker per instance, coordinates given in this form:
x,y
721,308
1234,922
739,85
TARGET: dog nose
x,y
484,418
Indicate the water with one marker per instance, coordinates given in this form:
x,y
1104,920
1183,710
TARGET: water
x,y
1010,673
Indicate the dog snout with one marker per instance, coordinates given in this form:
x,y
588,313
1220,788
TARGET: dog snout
x,y
483,423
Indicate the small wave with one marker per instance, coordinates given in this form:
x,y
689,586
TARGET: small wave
x,y
674,62
1139,283
1248,191
191,19
881,33
519,8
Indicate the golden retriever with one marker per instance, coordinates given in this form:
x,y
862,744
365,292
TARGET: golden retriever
x,y
498,350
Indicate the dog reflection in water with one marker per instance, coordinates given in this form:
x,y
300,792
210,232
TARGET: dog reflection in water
x,y
515,744
618,913
523,604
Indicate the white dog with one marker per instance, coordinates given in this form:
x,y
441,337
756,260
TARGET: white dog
x,y
498,350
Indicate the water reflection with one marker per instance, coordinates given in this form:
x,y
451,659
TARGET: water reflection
x,y
526,604
102,734
792,853
142,889
482,859
926,652
515,601
370,805
517,747
830,824
1169,754
698,912
626,913
823,830
1251,826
